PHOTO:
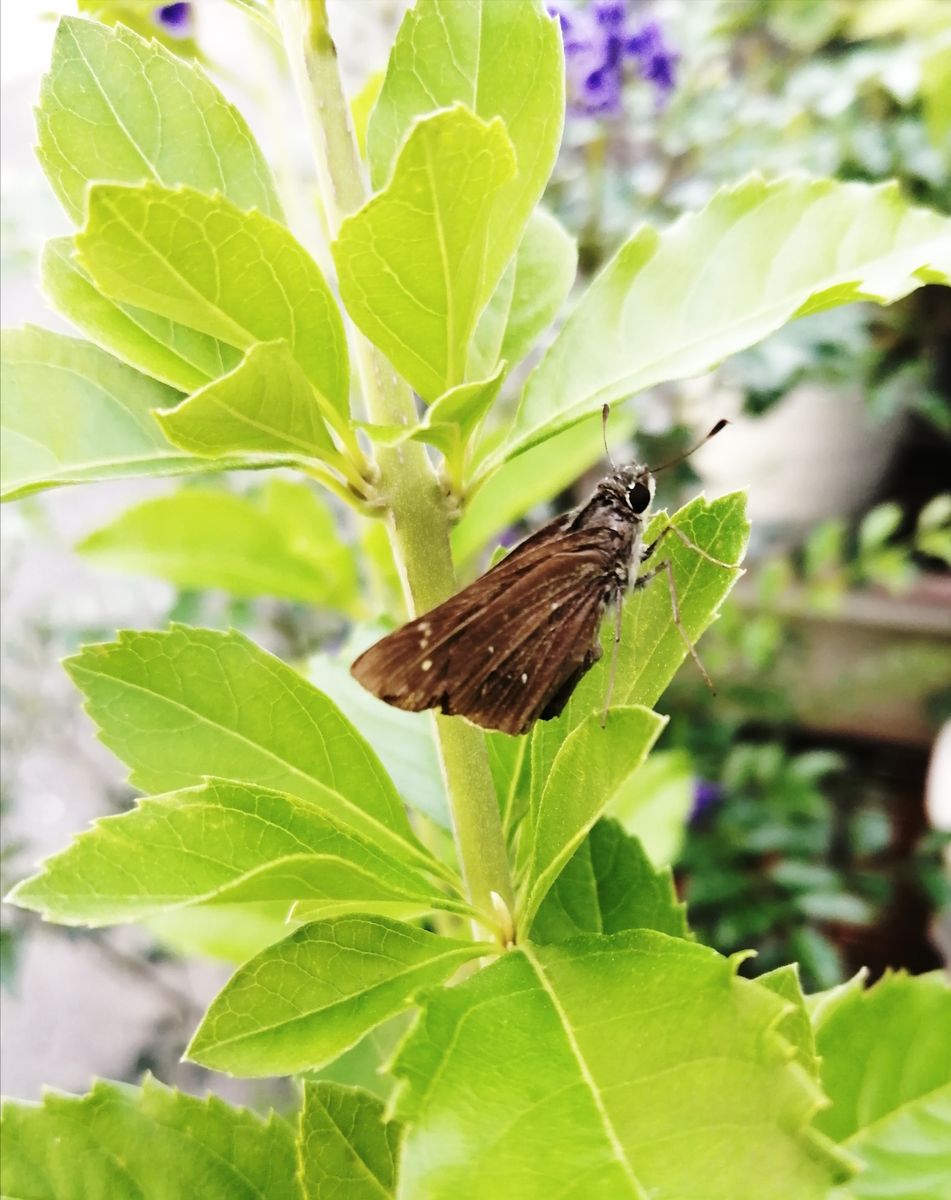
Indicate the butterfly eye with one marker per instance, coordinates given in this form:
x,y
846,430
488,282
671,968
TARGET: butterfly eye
x,y
639,497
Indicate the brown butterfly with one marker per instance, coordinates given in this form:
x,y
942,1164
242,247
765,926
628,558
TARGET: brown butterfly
x,y
509,649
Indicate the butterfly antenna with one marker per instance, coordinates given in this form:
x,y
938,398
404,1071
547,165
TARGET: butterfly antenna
x,y
721,424
605,413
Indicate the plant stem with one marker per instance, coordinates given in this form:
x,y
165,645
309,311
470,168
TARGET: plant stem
x,y
418,520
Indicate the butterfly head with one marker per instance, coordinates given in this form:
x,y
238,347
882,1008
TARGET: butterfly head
x,y
633,485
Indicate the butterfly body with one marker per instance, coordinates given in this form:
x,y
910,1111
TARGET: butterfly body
x,y
510,648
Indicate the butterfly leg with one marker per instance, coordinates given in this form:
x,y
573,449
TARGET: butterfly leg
x,y
643,580
649,550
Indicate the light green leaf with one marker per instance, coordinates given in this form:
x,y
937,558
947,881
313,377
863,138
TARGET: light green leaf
x,y
675,303
655,802
236,276
231,932
500,60
184,704
365,1065
795,1026
886,1066
116,107
592,762
404,741
148,1143
416,264
346,1150
651,649
518,487
74,414
173,353
224,843
607,886
266,405
634,1065
530,293
209,538
301,1002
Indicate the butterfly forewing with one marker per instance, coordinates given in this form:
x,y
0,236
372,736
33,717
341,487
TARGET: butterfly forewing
x,y
509,648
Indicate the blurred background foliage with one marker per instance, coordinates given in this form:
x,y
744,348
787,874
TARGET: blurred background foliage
x,y
792,803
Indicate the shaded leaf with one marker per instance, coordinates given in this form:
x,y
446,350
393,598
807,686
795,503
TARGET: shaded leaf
x,y
231,932
303,1001
236,276
655,803
632,1065
151,1143
674,303
117,107
346,1149
417,263
607,886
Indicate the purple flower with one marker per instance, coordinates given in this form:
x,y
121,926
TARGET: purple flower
x,y
599,42
705,795
175,19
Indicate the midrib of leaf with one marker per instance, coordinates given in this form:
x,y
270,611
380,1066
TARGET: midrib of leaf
x,y
431,863
243,337
637,1191
356,1157
306,448
444,260
900,1109
476,951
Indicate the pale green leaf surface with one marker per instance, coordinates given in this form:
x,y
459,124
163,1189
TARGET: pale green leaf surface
x,y
796,1026
151,1143
655,803
303,1001
236,276
674,303
404,741
584,774
346,1150
210,538
886,1066
230,932
220,842
416,264
181,357
117,107
607,886
181,705
74,414
266,405
500,60
635,1065
530,293
651,649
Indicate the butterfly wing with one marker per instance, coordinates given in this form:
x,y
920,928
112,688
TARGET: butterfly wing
x,y
509,648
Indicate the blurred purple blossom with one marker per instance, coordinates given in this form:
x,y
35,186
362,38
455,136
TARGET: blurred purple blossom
x,y
600,39
705,795
175,19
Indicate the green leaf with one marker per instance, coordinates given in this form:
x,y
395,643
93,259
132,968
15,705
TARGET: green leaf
x,y
607,886
878,525
633,1065
675,303
795,1026
116,107
182,705
266,405
655,803
886,1066
403,740
346,1150
220,842
74,414
148,1143
302,1002
236,276
231,932
209,538
417,263
530,293
500,60
589,767
173,353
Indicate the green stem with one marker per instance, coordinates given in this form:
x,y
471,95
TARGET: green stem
x,y
418,520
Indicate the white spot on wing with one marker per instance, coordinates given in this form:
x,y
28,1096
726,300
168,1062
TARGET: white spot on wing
x,y
524,679
426,663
